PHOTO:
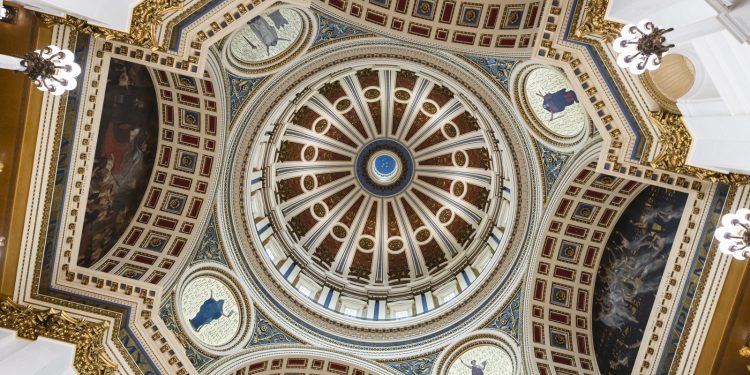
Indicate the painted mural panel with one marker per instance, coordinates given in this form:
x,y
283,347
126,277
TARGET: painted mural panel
x,y
124,158
629,276
482,360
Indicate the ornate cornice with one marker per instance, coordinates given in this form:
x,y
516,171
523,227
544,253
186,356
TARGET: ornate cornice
x,y
594,23
147,17
674,137
88,337
675,141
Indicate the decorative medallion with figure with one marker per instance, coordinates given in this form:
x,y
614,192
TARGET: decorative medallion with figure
x,y
482,360
269,41
552,108
213,310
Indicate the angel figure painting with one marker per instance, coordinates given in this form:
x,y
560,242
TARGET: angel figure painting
x,y
482,360
629,276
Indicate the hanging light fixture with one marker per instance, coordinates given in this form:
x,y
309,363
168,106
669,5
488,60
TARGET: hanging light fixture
x,y
641,47
734,234
51,69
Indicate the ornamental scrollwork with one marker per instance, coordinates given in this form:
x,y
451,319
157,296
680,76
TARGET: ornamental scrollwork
x,y
594,23
675,140
88,337
146,19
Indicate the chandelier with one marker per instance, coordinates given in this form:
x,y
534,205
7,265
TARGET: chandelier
x,y
734,234
51,69
641,47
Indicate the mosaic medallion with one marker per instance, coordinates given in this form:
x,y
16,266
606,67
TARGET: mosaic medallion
x,y
552,108
211,309
269,41
483,360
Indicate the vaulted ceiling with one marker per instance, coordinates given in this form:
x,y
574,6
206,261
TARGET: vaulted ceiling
x,y
397,186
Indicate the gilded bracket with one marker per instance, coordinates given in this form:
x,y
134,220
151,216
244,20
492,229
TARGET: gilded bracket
x,y
146,19
88,337
675,141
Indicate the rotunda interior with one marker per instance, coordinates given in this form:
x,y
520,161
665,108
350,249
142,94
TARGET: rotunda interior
x,y
369,187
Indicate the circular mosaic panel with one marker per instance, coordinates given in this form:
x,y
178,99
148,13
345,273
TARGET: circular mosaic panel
x,y
551,108
213,311
269,41
482,360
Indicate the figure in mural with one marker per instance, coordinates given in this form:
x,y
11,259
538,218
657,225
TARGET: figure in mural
x,y
475,370
266,33
211,309
124,157
629,276
557,102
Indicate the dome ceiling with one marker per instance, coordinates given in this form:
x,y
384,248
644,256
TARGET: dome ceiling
x,y
323,184
382,178
375,191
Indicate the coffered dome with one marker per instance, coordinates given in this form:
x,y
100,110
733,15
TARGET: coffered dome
x,y
375,190
379,180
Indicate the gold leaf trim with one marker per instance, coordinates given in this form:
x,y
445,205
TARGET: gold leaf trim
x,y
147,17
594,22
88,337
675,141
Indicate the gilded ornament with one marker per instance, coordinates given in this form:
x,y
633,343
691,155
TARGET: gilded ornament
x,y
145,20
593,22
88,337
675,145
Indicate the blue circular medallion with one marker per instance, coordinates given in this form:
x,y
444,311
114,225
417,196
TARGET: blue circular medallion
x,y
384,167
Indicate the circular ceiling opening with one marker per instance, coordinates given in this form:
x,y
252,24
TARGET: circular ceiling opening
x,y
384,167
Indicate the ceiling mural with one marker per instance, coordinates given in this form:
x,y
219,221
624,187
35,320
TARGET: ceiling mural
x,y
386,187
629,276
125,154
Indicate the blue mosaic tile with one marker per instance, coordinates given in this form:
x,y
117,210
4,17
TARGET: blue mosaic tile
x,y
330,29
418,366
500,69
266,333
509,319
209,248
239,90
553,162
